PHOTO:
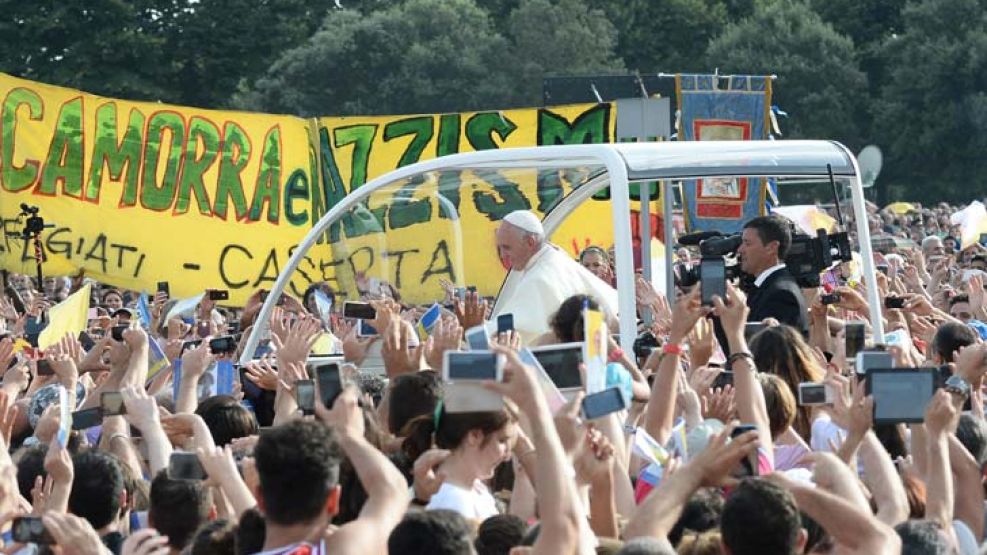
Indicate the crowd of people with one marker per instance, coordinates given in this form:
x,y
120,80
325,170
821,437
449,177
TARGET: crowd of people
x,y
737,462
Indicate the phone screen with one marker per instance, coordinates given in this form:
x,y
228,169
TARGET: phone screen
x,y
894,302
111,403
366,330
901,395
477,339
117,332
330,383
164,288
753,328
305,395
866,361
854,338
562,365
44,368
185,466
603,403
218,295
712,279
505,323
723,379
223,345
471,366
85,419
812,394
86,341
31,529
362,311
748,465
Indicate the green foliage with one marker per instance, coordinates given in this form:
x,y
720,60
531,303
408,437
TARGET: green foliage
x,y
932,115
560,37
96,45
667,35
818,82
416,56
424,56
909,75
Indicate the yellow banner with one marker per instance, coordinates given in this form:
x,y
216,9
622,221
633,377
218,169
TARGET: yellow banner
x,y
414,234
138,192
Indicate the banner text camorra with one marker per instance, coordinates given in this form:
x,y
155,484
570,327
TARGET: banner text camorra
x,y
140,192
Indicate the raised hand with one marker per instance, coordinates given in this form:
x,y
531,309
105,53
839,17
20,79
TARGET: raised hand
x,y
472,311
732,311
721,455
217,461
135,337
975,290
63,366
568,425
298,345
850,299
8,415
427,476
447,336
146,541
595,457
6,352
345,416
262,374
398,357
58,464
354,347
941,414
687,311
73,535
721,404
142,409
196,361
919,305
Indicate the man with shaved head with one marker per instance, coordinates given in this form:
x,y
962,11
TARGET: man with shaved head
x,y
548,276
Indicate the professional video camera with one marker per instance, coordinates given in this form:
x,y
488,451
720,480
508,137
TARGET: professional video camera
x,y
807,256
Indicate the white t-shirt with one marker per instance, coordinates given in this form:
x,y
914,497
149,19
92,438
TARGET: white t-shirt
x,y
475,504
825,431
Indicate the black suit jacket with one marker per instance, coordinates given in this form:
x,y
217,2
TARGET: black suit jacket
x,y
779,297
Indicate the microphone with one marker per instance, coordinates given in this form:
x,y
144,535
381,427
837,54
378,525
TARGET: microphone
x,y
697,237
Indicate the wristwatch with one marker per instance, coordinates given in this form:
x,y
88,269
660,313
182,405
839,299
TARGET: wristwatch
x,y
957,385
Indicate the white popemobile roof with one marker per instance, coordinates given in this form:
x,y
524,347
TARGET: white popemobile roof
x,y
614,166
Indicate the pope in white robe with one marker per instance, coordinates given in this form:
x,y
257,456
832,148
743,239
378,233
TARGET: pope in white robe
x,y
548,276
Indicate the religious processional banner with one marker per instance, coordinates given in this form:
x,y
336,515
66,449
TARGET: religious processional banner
x,y
738,112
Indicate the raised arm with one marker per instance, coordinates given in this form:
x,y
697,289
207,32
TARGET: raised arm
x,y
556,490
711,467
659,415
939,417
387,490
748,394
853,528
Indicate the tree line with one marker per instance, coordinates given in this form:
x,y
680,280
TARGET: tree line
x,y
908,75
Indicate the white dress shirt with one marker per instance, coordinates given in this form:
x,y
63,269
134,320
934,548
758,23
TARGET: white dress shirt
x,y
763,276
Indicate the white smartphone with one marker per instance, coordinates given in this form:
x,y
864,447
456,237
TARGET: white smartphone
x,y
464,374
812,394
605,402
561,363
478,339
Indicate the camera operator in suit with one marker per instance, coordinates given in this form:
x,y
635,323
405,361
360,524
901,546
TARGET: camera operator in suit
x,y
775,293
